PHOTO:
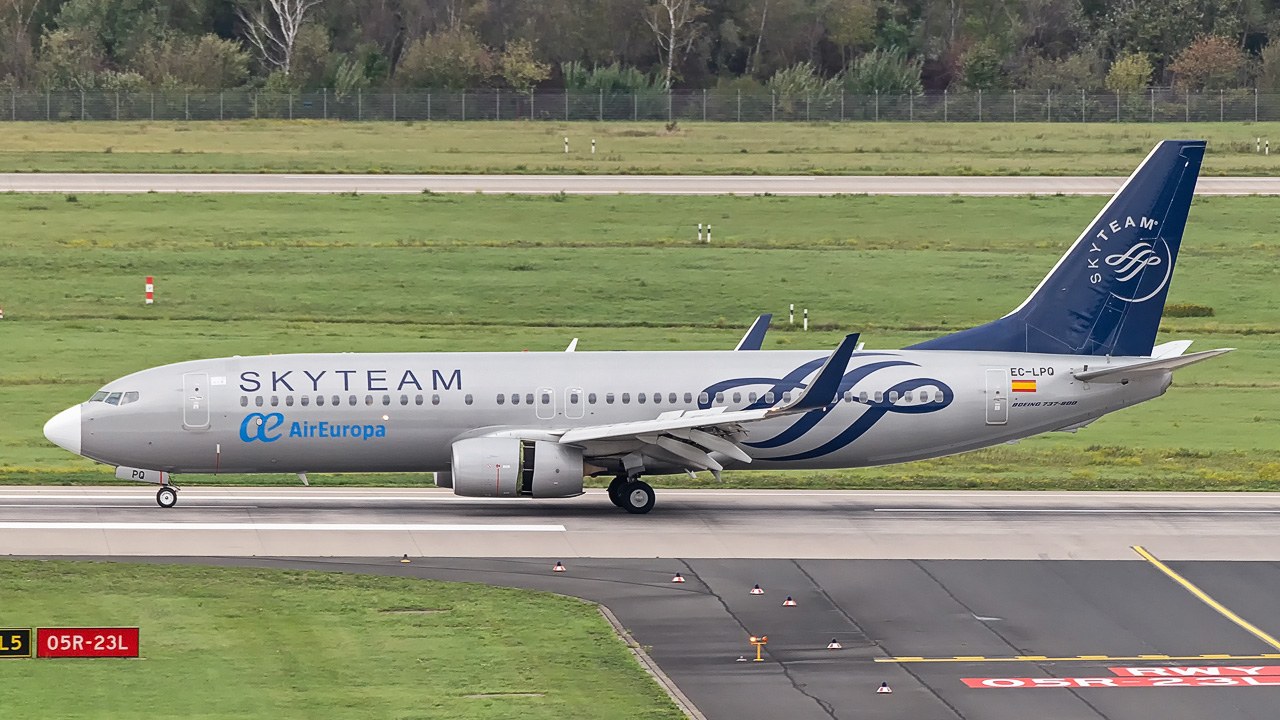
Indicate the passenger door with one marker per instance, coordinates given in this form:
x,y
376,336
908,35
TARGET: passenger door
x,y
573,408
545,402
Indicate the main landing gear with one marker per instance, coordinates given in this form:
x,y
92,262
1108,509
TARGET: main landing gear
x,y
634,496
167,496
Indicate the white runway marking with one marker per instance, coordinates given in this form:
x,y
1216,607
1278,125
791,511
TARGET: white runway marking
x,y
295,527
1091,511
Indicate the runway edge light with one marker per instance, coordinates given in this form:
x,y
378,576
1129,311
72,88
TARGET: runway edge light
x,y
756,590
559,567
677,579
788,602
883,689
405,558
834,645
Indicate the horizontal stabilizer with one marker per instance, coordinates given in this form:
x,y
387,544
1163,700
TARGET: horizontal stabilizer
x,y
1136,370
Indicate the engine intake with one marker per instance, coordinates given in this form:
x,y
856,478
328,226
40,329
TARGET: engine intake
x,y
510,467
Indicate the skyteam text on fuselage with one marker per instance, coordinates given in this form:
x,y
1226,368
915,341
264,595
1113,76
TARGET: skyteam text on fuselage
x,y
535,424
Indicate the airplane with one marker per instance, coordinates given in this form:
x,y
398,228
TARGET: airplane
x,y
535,424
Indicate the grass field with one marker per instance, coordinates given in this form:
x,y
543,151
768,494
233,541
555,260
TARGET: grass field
x,y
258,274
630,148
243,643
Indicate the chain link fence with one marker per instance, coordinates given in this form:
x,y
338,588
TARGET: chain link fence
x,y
687,105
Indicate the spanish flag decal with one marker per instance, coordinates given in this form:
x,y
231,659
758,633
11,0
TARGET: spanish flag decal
x,y
1024,385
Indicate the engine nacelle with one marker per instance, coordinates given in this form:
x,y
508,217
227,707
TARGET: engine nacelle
x,y
510,467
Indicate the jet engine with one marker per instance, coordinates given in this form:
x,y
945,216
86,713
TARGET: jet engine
x,y
510,467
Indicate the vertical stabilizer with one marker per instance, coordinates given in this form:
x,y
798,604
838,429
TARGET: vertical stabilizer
x,y
1106,294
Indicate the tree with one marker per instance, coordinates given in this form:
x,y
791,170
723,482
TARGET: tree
x,y
981,67
1269,68
204,63
1212,62
520,69
887,72
675,24
453,59
1130,72
272,28
851,23
16,56
1074,73
69,60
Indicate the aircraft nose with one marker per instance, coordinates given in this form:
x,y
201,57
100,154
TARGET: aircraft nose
x,y
63,429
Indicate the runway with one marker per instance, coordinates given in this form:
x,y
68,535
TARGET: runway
x,y
713,523
969,605
600,184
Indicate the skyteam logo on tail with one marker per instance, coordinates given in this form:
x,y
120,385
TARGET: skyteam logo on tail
x,y
1141,270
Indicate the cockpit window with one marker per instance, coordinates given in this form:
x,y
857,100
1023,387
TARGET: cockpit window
x,y
129,397
99,396
113,398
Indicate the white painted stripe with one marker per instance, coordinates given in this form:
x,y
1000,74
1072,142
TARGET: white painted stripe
x,y
294,527
1090,511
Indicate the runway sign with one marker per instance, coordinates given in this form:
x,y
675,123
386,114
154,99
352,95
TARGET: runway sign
x,y
1124,682
15,642
86,642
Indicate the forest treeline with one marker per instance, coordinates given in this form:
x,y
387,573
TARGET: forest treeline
x,y
797,47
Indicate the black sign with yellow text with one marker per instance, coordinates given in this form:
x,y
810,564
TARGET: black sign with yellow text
x,y
15,642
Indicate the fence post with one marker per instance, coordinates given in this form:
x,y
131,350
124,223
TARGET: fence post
x,y
878,105
911,106
806,108
255,105
1015,106
1220,106
566,104
668,105
944,105
290,104
1255,104
360,105
428,107
704,104
1153,104
325,103
773,106
531,104
13,105
82,106
635,106
464,104
1186,111
841,104
118,106
221,104
46,106
393,107
1082,104
600,109
1048,104
979,104
497,104
186,105
1117,107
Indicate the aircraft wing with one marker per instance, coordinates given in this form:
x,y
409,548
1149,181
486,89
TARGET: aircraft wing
x,y
691,434
755,334
1165,364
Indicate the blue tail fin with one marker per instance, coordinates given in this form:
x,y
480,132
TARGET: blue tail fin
x,y
1106,295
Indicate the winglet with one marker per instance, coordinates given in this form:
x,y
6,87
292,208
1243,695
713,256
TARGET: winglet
x,y
755,335
572,346
826,385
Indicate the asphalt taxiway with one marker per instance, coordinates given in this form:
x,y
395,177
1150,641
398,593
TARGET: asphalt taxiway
x,y
602,184
959,601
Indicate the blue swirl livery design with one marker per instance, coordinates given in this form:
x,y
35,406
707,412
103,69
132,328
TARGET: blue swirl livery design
x,y
257,427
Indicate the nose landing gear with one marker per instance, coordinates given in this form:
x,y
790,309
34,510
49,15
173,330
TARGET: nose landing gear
x,y
167,496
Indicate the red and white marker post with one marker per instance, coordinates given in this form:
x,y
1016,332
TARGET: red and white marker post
x,y
151,290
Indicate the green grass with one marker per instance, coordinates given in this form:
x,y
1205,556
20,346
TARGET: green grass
x,y
628,148
259,274
246,643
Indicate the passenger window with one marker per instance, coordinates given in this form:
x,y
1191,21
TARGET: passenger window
x,y
368,400
129,397
626,398
102,395
671,398
288,400
467,399
591,398
768,397
515,398
573,398
319,400
435,399
752,397
528,398
305,400
114,399
417,399
848,396
351,400
244,400
688,398
704,398
640,398
608,398
275,401
937,396
719,397
657,398
862,396
404,399
893,396
386,399
737,397
546,398
336,400
501,398
786,396
257,400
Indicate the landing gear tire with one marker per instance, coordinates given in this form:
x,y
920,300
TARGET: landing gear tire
x,y
615,491
637,497
166,497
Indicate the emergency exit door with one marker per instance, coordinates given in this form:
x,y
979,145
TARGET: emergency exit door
x,y
195,397
997,397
